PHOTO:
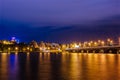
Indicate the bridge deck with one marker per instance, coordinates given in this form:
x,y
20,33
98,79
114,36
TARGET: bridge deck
x,y
100,49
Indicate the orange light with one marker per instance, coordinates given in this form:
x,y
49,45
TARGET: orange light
x,y
28,48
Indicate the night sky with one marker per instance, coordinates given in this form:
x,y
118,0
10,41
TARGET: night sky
x,y
59,20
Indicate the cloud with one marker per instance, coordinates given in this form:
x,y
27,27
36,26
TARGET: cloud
x,y
57,12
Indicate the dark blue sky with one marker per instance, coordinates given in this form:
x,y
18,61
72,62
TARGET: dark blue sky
x,y
59,20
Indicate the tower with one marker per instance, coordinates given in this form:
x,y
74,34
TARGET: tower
x,y
13,39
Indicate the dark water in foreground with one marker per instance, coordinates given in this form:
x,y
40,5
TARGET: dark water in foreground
x,y
59,66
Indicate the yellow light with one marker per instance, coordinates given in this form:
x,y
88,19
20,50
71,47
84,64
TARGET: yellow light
x,y
89,44
24,49
76,46
48,47
63,46
99,40
108,40
16,48
9,48
4,42
31,49
102,43
91,41
111,41
28,48
95,43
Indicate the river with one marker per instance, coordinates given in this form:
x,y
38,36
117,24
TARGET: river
x,y
59,66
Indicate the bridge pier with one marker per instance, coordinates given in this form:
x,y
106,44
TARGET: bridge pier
x,y
87,51
110,51
82,51
118,52
93,51
101,51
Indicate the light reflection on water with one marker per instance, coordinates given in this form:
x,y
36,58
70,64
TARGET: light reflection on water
x,y
59,66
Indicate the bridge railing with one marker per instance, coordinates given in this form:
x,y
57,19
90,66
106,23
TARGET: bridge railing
x,y
117,46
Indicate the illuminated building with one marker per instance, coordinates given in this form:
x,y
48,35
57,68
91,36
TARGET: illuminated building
x,y
6,42
34,44
13,39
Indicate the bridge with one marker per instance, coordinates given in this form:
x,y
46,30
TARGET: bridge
x,y
98,49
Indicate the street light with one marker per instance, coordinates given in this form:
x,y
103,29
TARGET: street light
x,y
16,48
9,48
111,42
108,39
28,48
95,44
76,46
103,43
89,44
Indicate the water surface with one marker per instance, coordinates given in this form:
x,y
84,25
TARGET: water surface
x,y
59,66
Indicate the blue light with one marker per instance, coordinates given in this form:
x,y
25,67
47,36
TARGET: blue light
x,y
14,39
